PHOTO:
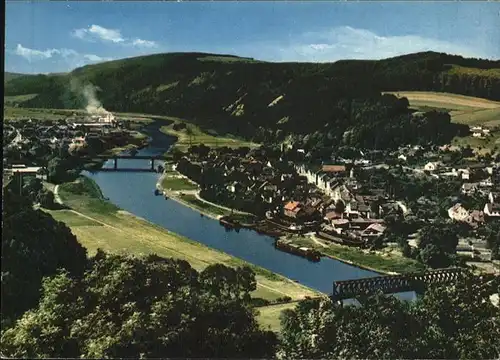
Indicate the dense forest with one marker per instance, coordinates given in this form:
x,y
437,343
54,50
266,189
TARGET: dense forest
x,y
262,100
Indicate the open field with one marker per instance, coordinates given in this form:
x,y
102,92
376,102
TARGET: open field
x,y
13,100
105,226
42,114
463,109
269,316
484,117
446,100
467,110
193,135
11,112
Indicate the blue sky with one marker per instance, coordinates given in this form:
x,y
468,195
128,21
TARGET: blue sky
x,y
43,37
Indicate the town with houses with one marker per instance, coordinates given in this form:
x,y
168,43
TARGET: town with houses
x,y
335,201
34,140
345,200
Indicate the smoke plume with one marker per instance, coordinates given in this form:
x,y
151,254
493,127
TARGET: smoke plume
x,y
89,92
94,106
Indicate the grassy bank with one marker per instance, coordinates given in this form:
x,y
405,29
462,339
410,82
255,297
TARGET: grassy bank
x,y
202,206
389,262
174,182
100,224
385,261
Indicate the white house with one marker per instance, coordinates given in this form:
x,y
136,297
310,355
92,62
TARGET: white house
x,y
493,197
469,188
492,210
341,192
458,213
402,157
478,135
486,182
234,187
431,166
78,140
303,171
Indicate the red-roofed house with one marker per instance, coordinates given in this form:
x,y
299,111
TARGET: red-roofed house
x,y
335,169
291,209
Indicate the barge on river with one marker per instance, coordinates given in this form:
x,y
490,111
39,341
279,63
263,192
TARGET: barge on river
x,y
290,247
230,223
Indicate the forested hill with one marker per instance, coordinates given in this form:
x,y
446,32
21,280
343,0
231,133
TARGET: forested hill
x,y
245,96
7,76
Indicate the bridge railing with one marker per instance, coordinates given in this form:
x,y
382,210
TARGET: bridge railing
x,y
393,283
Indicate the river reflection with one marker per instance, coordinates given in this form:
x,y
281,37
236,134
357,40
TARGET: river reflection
x,y
134,192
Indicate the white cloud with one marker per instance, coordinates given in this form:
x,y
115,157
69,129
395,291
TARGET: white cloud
x,y
31,54
92,57
97,32
100,33
351,43
69,57
144,43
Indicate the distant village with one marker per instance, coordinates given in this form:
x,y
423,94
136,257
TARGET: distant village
x,y
30,137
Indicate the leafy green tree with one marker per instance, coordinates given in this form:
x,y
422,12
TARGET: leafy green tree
x,y
34,245
139,308
455,321
46,199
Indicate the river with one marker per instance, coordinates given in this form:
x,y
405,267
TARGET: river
x,y
133,192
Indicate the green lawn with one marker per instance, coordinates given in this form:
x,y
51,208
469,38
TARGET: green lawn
x,y
72,219
177,183
269,316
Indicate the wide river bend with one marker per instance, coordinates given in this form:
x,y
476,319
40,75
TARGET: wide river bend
x,y
133,192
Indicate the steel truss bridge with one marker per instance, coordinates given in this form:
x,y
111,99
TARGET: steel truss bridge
x,y
390,284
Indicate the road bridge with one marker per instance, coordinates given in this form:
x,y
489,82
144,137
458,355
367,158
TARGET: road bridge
x,y
151,158
390,284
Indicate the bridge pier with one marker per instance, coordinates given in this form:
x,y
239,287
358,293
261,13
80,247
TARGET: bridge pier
x,y
115,164
152,164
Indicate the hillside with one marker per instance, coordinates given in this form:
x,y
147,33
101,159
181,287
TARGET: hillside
x,y
261,100
7,76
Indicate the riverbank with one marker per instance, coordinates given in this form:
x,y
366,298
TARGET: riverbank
x,y
183,190
100,224
387,262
